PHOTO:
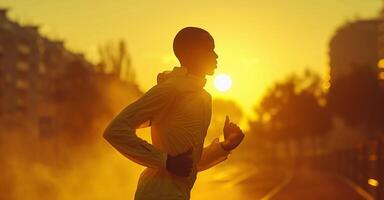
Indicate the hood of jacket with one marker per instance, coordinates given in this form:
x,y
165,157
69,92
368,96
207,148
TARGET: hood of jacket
x,y
182,79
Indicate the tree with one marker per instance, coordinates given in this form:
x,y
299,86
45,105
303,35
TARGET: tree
x,y
359,100
114,59
292,110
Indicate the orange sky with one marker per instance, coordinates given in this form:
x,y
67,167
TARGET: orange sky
x,y
258,42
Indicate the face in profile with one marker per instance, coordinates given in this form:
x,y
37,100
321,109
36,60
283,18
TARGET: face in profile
x,y
205,58
195,49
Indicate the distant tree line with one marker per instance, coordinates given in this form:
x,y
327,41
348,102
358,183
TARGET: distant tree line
x,y
298,108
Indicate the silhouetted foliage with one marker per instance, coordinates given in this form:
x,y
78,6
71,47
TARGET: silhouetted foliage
x,y
114,58
359,99
292,109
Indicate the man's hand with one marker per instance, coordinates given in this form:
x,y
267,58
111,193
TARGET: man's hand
x,y
233,135
181,164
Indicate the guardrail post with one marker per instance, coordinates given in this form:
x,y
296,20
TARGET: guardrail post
x,y
380,169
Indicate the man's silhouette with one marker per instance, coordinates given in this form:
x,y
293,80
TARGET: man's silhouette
x,y
178,109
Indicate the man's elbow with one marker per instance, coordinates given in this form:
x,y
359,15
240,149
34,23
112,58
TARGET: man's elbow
x,y
108,134
201,166
105,135
199,169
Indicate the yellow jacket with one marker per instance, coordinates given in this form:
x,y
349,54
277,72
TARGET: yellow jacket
x,y
178,109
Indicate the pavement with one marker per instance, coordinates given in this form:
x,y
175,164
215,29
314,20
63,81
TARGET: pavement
x,y
314,184
236,182
301,183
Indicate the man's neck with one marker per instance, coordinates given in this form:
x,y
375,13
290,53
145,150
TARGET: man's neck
x,y
195,72
200,75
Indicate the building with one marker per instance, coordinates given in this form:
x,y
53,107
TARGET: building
x,y
357,44
354,45
29,65
381,48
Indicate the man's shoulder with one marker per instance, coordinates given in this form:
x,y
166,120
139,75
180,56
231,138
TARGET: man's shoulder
x,y
167,86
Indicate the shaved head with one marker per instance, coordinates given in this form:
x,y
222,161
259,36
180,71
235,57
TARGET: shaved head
x,y
191,39
194,48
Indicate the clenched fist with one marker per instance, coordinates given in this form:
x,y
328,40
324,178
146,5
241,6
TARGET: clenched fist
x,y
233,135
181,164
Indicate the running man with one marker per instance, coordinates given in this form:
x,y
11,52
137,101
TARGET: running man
x,y
178,110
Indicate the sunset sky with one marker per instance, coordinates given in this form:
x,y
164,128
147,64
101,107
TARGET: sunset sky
x,y
258,42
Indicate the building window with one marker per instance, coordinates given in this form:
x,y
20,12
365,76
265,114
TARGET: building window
x,y
23,49
40,45
381,75
21,84
22,66
42,68
6,26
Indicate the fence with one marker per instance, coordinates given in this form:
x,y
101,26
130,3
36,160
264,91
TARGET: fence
x,y
364,165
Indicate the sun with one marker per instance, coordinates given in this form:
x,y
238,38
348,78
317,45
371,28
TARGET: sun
x,y
223,82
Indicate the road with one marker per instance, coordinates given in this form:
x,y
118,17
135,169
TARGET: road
x,y
250,183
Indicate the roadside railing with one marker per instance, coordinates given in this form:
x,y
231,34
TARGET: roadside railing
x,y
363,165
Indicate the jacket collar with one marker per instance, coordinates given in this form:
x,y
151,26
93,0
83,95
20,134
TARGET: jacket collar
x,y
182,72
201,81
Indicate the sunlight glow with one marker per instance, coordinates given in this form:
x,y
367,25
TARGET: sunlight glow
x,y
373,182
380,64
381,75
223,82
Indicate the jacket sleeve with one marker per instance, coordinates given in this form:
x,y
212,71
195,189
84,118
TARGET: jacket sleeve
x,y
212,155
121,131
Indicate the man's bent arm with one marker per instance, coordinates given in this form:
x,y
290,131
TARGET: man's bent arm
x,y
121,132
212,155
